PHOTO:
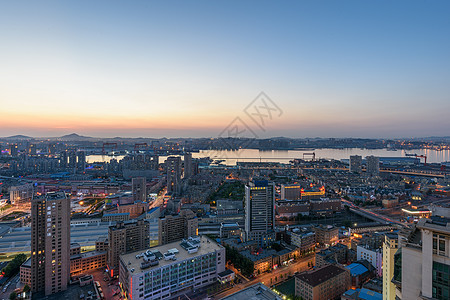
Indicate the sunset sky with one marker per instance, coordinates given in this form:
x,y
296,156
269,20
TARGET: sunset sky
x,y
188,68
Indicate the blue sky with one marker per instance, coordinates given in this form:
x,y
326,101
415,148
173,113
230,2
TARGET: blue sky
x,y
187,68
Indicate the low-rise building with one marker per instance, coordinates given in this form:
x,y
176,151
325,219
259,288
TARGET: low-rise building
x,y
374,256
326,235
328,282
116,217
258,291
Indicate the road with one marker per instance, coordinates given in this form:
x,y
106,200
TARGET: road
x,y
11,287
159,201
375,215
269,278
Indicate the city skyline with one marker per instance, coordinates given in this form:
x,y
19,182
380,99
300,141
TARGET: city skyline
x,y
336,69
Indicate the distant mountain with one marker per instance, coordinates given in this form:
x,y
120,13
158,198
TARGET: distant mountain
x,y
18,137
74,137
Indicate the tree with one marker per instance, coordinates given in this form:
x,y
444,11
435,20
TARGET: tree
x,y
13,296
26,288
13,267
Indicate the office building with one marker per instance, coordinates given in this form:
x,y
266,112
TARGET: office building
x,y
328,282
425,267
139,189
372,165
173,167
174,228
259,210
173,269
50,243
355,164
291,192
390,247
125,237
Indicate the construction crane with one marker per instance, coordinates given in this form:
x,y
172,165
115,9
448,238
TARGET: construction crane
x,y
312,154
418,156
139,145
108,144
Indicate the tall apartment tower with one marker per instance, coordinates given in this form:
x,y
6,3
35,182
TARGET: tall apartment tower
x,y
259,209
14,150
355,164
125,237
72,159
139,189
372,165
188,168
390,247
50,243
175,228
81,161
173,165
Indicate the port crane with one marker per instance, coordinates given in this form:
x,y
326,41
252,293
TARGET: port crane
x,y
311,154
418,156
108,144
137,146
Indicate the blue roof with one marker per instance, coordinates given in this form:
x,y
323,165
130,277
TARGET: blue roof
x,y
356,269
153,209
351,292
366,294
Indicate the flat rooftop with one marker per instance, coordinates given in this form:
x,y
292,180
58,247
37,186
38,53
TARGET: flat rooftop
x,y
206,246
254,292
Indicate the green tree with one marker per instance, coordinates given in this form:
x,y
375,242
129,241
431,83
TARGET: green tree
x,y
13,296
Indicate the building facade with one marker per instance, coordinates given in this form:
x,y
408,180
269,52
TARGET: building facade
x,y
126,237
50,243
173,269
174,228
259,210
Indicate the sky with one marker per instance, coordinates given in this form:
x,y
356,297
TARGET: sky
x,y
376,69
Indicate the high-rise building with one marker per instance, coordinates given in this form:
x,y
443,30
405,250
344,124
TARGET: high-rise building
x,y
390,246
174,228
188,168
355,164
173,166
425,261
72,159
14,150
32,149
63,159
259,209
125,237
372,165
81,161
50,243
139,189
171,270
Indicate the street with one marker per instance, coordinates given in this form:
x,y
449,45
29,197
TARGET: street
x,y
269,278
4,295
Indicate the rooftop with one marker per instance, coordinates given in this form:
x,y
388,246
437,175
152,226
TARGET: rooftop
x,y
181,249
254,292
356,269
321,275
